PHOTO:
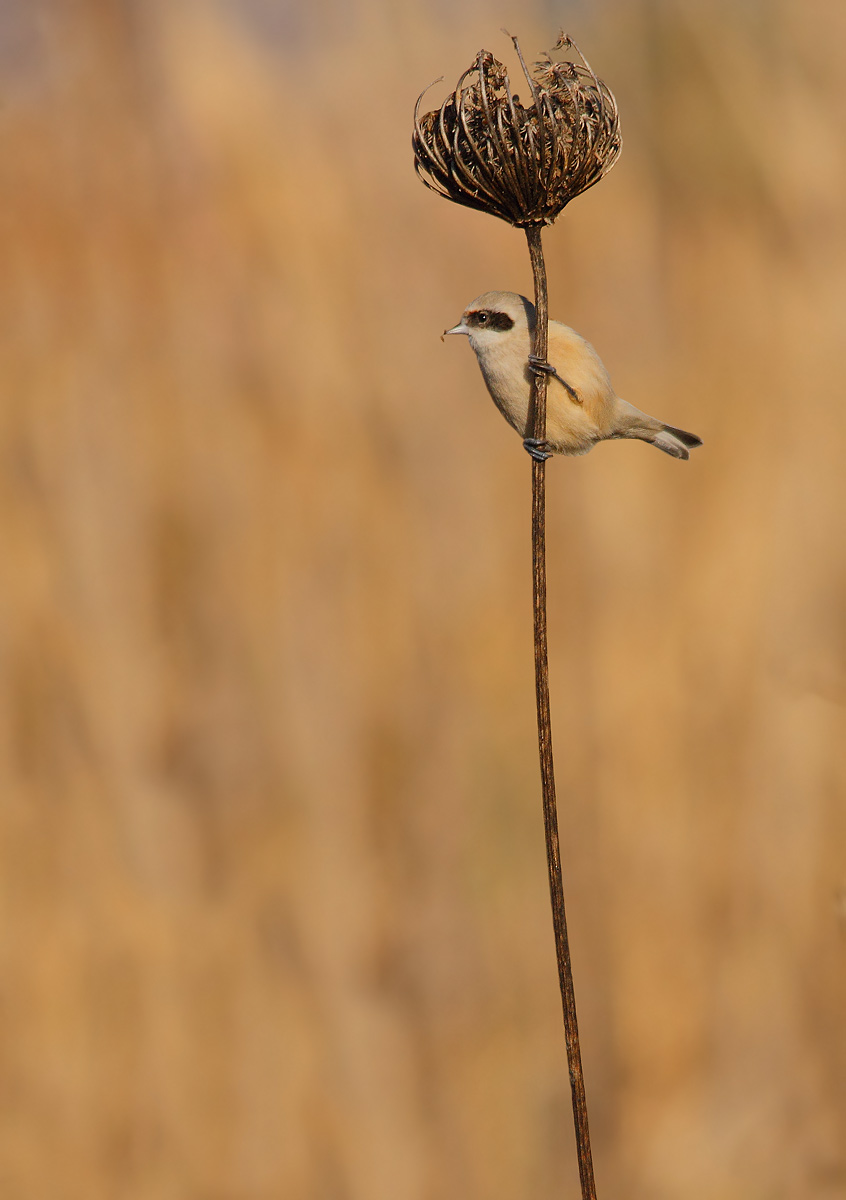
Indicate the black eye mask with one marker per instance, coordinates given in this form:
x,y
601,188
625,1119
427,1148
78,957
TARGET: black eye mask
x,y
486,318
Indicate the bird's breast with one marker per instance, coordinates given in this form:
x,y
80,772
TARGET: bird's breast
x,y
571,428
510,387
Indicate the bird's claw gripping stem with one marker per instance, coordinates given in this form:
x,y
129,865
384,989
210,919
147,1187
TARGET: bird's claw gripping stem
x,y
539,366
538,448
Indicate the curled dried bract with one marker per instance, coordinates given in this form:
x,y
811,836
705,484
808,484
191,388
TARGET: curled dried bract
x,y
522,163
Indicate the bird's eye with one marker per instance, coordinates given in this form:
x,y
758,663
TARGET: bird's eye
x,y
482,318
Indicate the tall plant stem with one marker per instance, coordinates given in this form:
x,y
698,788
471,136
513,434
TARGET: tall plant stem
x,y
537,425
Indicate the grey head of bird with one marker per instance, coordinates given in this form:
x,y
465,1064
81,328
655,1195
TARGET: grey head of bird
x,y
493,317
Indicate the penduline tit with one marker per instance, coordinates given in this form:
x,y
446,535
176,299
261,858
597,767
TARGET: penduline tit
x,y
582,407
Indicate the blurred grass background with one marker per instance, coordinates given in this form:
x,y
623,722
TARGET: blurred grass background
x,y
273,910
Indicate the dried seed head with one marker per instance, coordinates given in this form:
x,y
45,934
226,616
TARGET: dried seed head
x,y
484,149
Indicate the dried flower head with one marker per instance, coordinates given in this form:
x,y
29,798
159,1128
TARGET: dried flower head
x,y
484,149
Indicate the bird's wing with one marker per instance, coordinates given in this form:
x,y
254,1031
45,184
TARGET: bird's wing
x,y
578,365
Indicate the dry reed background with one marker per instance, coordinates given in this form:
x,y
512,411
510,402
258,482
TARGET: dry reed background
x,y
273,895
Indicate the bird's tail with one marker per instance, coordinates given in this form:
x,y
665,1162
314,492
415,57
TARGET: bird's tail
x,y
675,441
632,423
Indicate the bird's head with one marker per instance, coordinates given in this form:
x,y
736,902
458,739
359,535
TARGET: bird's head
x,y
494,318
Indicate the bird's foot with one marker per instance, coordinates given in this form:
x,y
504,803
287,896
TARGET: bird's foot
x,y
538,448
539,366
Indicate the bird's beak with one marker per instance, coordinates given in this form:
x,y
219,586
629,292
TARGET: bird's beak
x,y
461,328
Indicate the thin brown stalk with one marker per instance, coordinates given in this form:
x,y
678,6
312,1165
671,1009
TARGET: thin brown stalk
x,y
537,423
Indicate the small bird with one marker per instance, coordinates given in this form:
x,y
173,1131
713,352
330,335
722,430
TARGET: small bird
x,y
582,407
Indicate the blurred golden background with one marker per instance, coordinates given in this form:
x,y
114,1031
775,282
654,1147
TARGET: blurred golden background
x,y
275,923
